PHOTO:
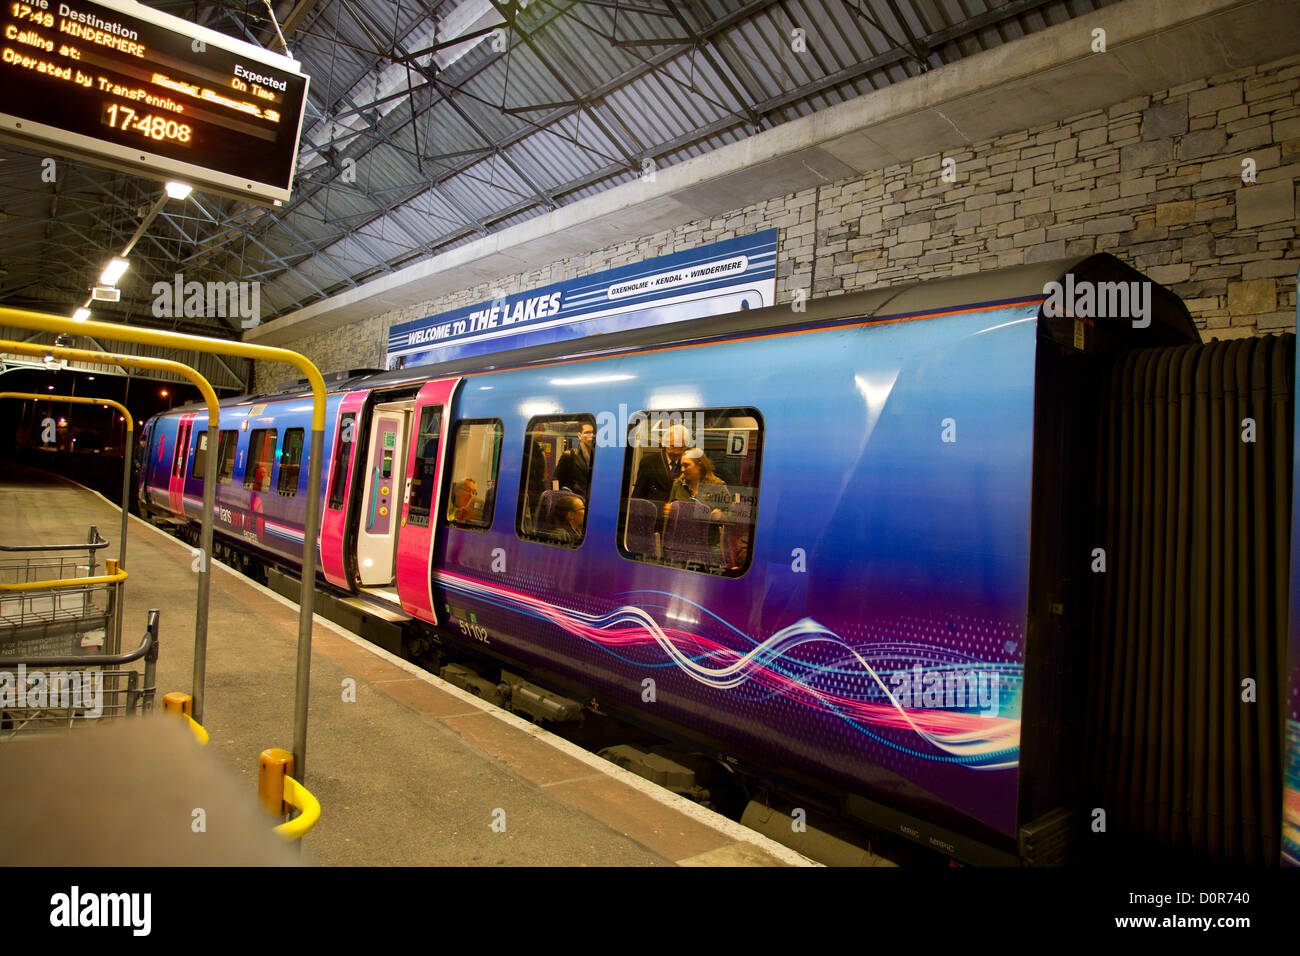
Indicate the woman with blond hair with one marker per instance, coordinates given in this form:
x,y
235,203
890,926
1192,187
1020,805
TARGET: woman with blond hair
x,y
698,482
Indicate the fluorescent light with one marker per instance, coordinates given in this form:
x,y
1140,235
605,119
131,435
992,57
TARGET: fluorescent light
x,y
592,379
113,271
81,315
178,190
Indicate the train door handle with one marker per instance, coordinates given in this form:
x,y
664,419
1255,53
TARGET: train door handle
x,y
374,498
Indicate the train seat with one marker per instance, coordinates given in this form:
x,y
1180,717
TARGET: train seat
x,y
686,533
640,537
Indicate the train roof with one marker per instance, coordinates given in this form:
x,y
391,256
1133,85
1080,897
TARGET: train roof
x,y
1171,322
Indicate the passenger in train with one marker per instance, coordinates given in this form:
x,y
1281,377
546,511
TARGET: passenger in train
x,y
574,470
464,505
658,470
699,483
535,473
570,520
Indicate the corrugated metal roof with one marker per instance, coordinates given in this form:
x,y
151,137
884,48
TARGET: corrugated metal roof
x,y
564,102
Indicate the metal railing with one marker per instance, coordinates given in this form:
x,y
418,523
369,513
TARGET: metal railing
x,y
37,693
311,520
281,794
47,594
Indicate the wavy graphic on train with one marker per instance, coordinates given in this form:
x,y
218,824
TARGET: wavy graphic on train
x,y
967,711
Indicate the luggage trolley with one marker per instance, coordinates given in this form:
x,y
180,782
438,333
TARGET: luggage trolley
x,y
60,647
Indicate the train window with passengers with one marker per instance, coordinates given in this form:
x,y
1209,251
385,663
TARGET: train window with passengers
x,y
261,459
475,461
690,489
290,462
555,479
226,445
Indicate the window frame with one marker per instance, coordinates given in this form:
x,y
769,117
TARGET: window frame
x,y
450,460
642,418
234,454
539,537
417,514
200,448
181,451
249,461
296,464
339,463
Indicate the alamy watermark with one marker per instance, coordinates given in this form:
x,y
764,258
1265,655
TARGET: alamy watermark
x,y
947,689
1099,300
52,690
75,909
236,300
648,429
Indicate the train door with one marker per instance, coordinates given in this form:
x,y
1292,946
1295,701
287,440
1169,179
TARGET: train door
x,y
176,487
381,496
140,464
421,497
333,528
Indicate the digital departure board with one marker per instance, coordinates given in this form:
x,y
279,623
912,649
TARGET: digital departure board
x,y
119,84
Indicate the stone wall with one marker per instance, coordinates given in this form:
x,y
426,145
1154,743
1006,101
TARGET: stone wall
x,y
1157,181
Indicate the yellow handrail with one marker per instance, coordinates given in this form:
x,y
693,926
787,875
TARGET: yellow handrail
x,y
64,582
176,340
73,399
300,798
197,729
214,422
181,704
311,523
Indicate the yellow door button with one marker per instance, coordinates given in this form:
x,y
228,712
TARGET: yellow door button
x,y
383,511
383,490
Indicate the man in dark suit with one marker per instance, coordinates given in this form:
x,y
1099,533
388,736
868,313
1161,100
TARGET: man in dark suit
x,y
535,469
574,470
658,470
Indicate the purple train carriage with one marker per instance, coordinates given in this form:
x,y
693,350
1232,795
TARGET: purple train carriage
x,y
980,561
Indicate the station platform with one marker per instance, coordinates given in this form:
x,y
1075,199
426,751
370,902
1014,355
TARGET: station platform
x,y
414,772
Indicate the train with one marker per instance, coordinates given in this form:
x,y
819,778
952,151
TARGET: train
x,y
903,554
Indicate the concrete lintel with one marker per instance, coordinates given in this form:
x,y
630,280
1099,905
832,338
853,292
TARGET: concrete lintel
x,y
1038,79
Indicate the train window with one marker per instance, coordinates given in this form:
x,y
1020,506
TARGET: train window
x,y
342,458
226,456
200,460
690,489
182,447
426,465
290,463
261,459
475,462
555,479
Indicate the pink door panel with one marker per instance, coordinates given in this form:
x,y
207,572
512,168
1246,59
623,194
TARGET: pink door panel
x,y
334,520
422,497
176,486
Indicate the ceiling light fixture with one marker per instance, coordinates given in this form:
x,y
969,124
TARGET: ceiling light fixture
x,y
114,271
